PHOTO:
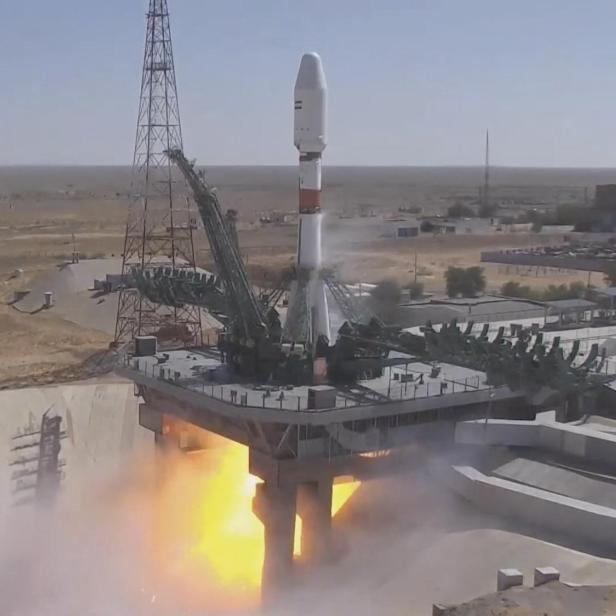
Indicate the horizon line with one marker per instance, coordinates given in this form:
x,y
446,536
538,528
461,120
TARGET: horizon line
x,y
294,166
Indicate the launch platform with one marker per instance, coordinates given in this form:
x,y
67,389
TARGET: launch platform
x,y
301,437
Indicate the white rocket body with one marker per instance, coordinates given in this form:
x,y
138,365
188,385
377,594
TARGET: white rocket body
x,y
310,138
310,126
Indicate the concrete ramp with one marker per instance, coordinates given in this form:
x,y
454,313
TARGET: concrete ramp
x,y
73,295
559,481
597,422
66,280
572,517
579,441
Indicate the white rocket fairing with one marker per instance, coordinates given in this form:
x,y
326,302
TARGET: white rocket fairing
x,y
310,138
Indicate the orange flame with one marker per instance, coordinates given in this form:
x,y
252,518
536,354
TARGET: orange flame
x,y
209,543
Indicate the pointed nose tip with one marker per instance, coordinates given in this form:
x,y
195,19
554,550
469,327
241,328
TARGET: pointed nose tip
x,y
310,75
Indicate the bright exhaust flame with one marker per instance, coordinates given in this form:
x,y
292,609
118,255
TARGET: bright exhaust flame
x,y
297,537
209,543
231,537
343,489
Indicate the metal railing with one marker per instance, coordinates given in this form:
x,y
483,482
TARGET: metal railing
x,y
277,398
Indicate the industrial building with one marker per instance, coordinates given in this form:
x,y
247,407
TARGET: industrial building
x,y
400,228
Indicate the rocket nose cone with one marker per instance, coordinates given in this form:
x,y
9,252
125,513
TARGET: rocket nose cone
x,y
310,75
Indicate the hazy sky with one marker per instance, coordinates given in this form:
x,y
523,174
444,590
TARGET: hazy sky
x,y
412,82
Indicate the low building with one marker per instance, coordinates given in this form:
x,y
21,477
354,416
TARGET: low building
x,y
569,312
400,228
405,231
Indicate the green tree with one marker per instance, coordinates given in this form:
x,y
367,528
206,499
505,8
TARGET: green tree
x,y
515,289
552,292
385,300
609,274
475,280
465,282
387,292
416,290
578,289
459,210
487,210
454,281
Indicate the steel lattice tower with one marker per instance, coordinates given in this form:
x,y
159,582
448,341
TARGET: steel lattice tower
x,y
159,227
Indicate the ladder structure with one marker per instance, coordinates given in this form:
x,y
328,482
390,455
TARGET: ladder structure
x,y
346,301
36,460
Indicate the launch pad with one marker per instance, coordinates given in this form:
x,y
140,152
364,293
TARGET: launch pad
x,y
301,437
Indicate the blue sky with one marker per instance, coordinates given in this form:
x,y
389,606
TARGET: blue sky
x,y
412,82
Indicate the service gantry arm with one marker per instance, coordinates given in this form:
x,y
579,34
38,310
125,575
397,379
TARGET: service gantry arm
x,y
247,313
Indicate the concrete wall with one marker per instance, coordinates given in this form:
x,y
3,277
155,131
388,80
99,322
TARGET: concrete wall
x,y
558,513
568,439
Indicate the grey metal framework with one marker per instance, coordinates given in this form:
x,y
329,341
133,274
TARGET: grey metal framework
x,y
159,228
36,460
246,309
348,304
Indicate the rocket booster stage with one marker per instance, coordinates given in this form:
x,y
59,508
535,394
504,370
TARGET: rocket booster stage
x,y
310,137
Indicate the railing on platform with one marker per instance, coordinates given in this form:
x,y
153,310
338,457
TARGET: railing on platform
x,y
272,397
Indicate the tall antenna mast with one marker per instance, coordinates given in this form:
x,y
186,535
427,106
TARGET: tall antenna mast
x,y
159,226
486,178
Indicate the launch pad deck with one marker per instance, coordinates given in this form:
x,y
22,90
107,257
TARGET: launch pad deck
x,y
199,379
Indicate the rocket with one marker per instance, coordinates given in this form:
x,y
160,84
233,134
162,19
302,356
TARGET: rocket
x,y
310,138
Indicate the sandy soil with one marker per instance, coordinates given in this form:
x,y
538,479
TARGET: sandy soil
x,y
35,345
38,344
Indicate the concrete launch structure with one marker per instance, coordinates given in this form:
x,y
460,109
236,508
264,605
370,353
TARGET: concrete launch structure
x,y
310,138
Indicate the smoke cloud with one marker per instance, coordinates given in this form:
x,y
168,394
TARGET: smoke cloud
x,y
116,543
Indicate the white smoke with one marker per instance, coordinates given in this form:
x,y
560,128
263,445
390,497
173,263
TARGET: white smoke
x,y
406,543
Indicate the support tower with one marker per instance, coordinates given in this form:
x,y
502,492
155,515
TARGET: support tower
x,y
159,227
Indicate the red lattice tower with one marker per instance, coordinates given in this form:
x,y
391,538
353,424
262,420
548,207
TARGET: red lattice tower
x,y
159,230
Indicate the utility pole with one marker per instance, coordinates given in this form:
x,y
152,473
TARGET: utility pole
x,y
413,281
486,177
75,257
159,226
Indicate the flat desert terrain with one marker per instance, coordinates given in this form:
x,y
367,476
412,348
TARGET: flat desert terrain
x,y
43,210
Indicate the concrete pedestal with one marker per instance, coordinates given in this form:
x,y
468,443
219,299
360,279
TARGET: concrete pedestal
x,y
508,578
314,505
275,506
543,575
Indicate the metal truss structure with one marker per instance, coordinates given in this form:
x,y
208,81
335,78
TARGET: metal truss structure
x,y
524,362
159,229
